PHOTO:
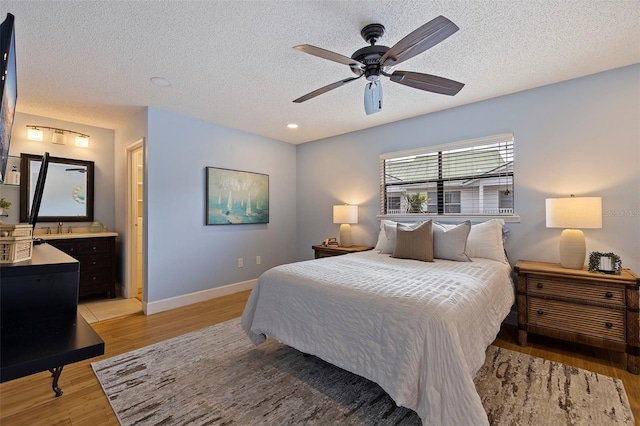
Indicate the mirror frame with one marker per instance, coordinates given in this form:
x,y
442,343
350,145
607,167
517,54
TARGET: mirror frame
x,y
25,199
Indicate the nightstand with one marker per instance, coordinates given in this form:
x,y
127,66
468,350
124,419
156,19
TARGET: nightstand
x,y
579,306
328,251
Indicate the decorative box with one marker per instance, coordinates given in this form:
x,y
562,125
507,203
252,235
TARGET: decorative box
x,y
16,243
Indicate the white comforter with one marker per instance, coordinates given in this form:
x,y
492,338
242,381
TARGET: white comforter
x,y
418,329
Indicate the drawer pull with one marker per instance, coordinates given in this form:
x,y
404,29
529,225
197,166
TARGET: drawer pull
x,y
93,248
540,312
539,285
608,325
608,295
94,262
94,278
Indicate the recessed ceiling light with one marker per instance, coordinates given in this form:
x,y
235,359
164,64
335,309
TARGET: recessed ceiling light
x,y
159,81
292,125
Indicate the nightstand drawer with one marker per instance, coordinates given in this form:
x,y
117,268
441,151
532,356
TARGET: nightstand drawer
x,y
592,321
543,286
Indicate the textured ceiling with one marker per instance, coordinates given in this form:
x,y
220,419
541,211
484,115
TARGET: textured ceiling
x,y
232,62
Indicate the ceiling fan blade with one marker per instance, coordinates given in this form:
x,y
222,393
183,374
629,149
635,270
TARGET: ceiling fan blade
x,y
425,37
325,89
327,54
430,83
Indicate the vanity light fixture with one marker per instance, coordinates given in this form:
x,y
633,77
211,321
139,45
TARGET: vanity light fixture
x,y
82,141
35,133
292,126
57,137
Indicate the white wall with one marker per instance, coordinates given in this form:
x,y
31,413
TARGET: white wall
x,y
576,137
100,151
183,254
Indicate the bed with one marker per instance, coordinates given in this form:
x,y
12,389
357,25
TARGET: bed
x,y
418,329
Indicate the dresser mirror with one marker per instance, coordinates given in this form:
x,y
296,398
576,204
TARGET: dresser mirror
x,y
68,189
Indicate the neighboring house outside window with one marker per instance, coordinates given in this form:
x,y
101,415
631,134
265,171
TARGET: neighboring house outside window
x,y
468,178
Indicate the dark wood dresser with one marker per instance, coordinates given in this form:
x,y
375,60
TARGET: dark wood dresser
x,y
40,328
579,306
97,256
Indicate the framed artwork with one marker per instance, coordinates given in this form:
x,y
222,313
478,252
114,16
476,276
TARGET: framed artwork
x,y
605,263
235,197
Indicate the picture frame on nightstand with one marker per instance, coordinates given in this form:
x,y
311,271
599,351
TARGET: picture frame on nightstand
x,y
605,263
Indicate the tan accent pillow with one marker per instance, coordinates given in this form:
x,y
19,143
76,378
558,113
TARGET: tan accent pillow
x,y
414,243
390,234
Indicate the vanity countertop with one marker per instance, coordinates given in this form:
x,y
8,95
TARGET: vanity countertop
x,y
78,235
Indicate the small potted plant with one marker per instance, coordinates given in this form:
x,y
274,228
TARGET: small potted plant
x,y
415,203
4,205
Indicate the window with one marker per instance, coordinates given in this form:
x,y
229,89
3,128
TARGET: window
x,y
472,177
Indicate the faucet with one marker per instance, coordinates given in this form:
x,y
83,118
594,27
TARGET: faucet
x,y
59,227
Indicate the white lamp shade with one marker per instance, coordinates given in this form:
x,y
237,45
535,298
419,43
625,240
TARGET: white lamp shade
x,y
82,141
34,134
57,137
574,212
345,214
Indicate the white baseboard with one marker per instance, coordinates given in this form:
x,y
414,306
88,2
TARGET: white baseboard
x,y
199,296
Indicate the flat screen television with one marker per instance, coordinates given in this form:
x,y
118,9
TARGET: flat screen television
x,y
9,89
37,196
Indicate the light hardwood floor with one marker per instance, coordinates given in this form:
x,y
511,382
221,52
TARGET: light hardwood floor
x,y
30,400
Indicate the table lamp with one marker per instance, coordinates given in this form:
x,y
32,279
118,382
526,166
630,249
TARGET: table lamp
x,y
573,213
345,215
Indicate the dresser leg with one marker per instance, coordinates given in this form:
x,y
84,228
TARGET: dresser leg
x,y
522,338
633,364
56,375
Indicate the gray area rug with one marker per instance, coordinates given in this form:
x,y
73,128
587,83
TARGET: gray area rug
x,y
215,376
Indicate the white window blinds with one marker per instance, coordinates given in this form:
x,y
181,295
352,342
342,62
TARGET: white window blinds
x,y
473,177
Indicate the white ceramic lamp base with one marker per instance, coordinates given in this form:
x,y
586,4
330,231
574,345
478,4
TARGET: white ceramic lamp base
x,y
572,249
345,235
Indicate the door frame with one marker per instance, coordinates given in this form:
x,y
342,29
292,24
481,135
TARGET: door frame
x,y
130,289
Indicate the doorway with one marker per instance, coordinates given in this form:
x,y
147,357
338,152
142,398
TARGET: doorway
x,y
135,219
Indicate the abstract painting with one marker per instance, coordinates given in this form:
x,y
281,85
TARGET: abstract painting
x,y
235,197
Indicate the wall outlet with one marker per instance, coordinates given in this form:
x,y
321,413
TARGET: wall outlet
x,y
258,260
240,262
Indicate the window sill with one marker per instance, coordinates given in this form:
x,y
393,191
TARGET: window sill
x,y
474,218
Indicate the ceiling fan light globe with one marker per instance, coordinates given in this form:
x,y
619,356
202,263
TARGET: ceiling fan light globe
x,y
373,97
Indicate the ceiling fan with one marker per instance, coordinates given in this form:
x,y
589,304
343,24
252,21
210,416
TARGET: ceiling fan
x,y
375,60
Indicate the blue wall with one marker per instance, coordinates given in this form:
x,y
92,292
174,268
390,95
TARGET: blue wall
x,y
576,137
186,256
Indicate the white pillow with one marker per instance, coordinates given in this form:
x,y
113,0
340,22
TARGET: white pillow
x,y
485,240
450,242
382,238
387,237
